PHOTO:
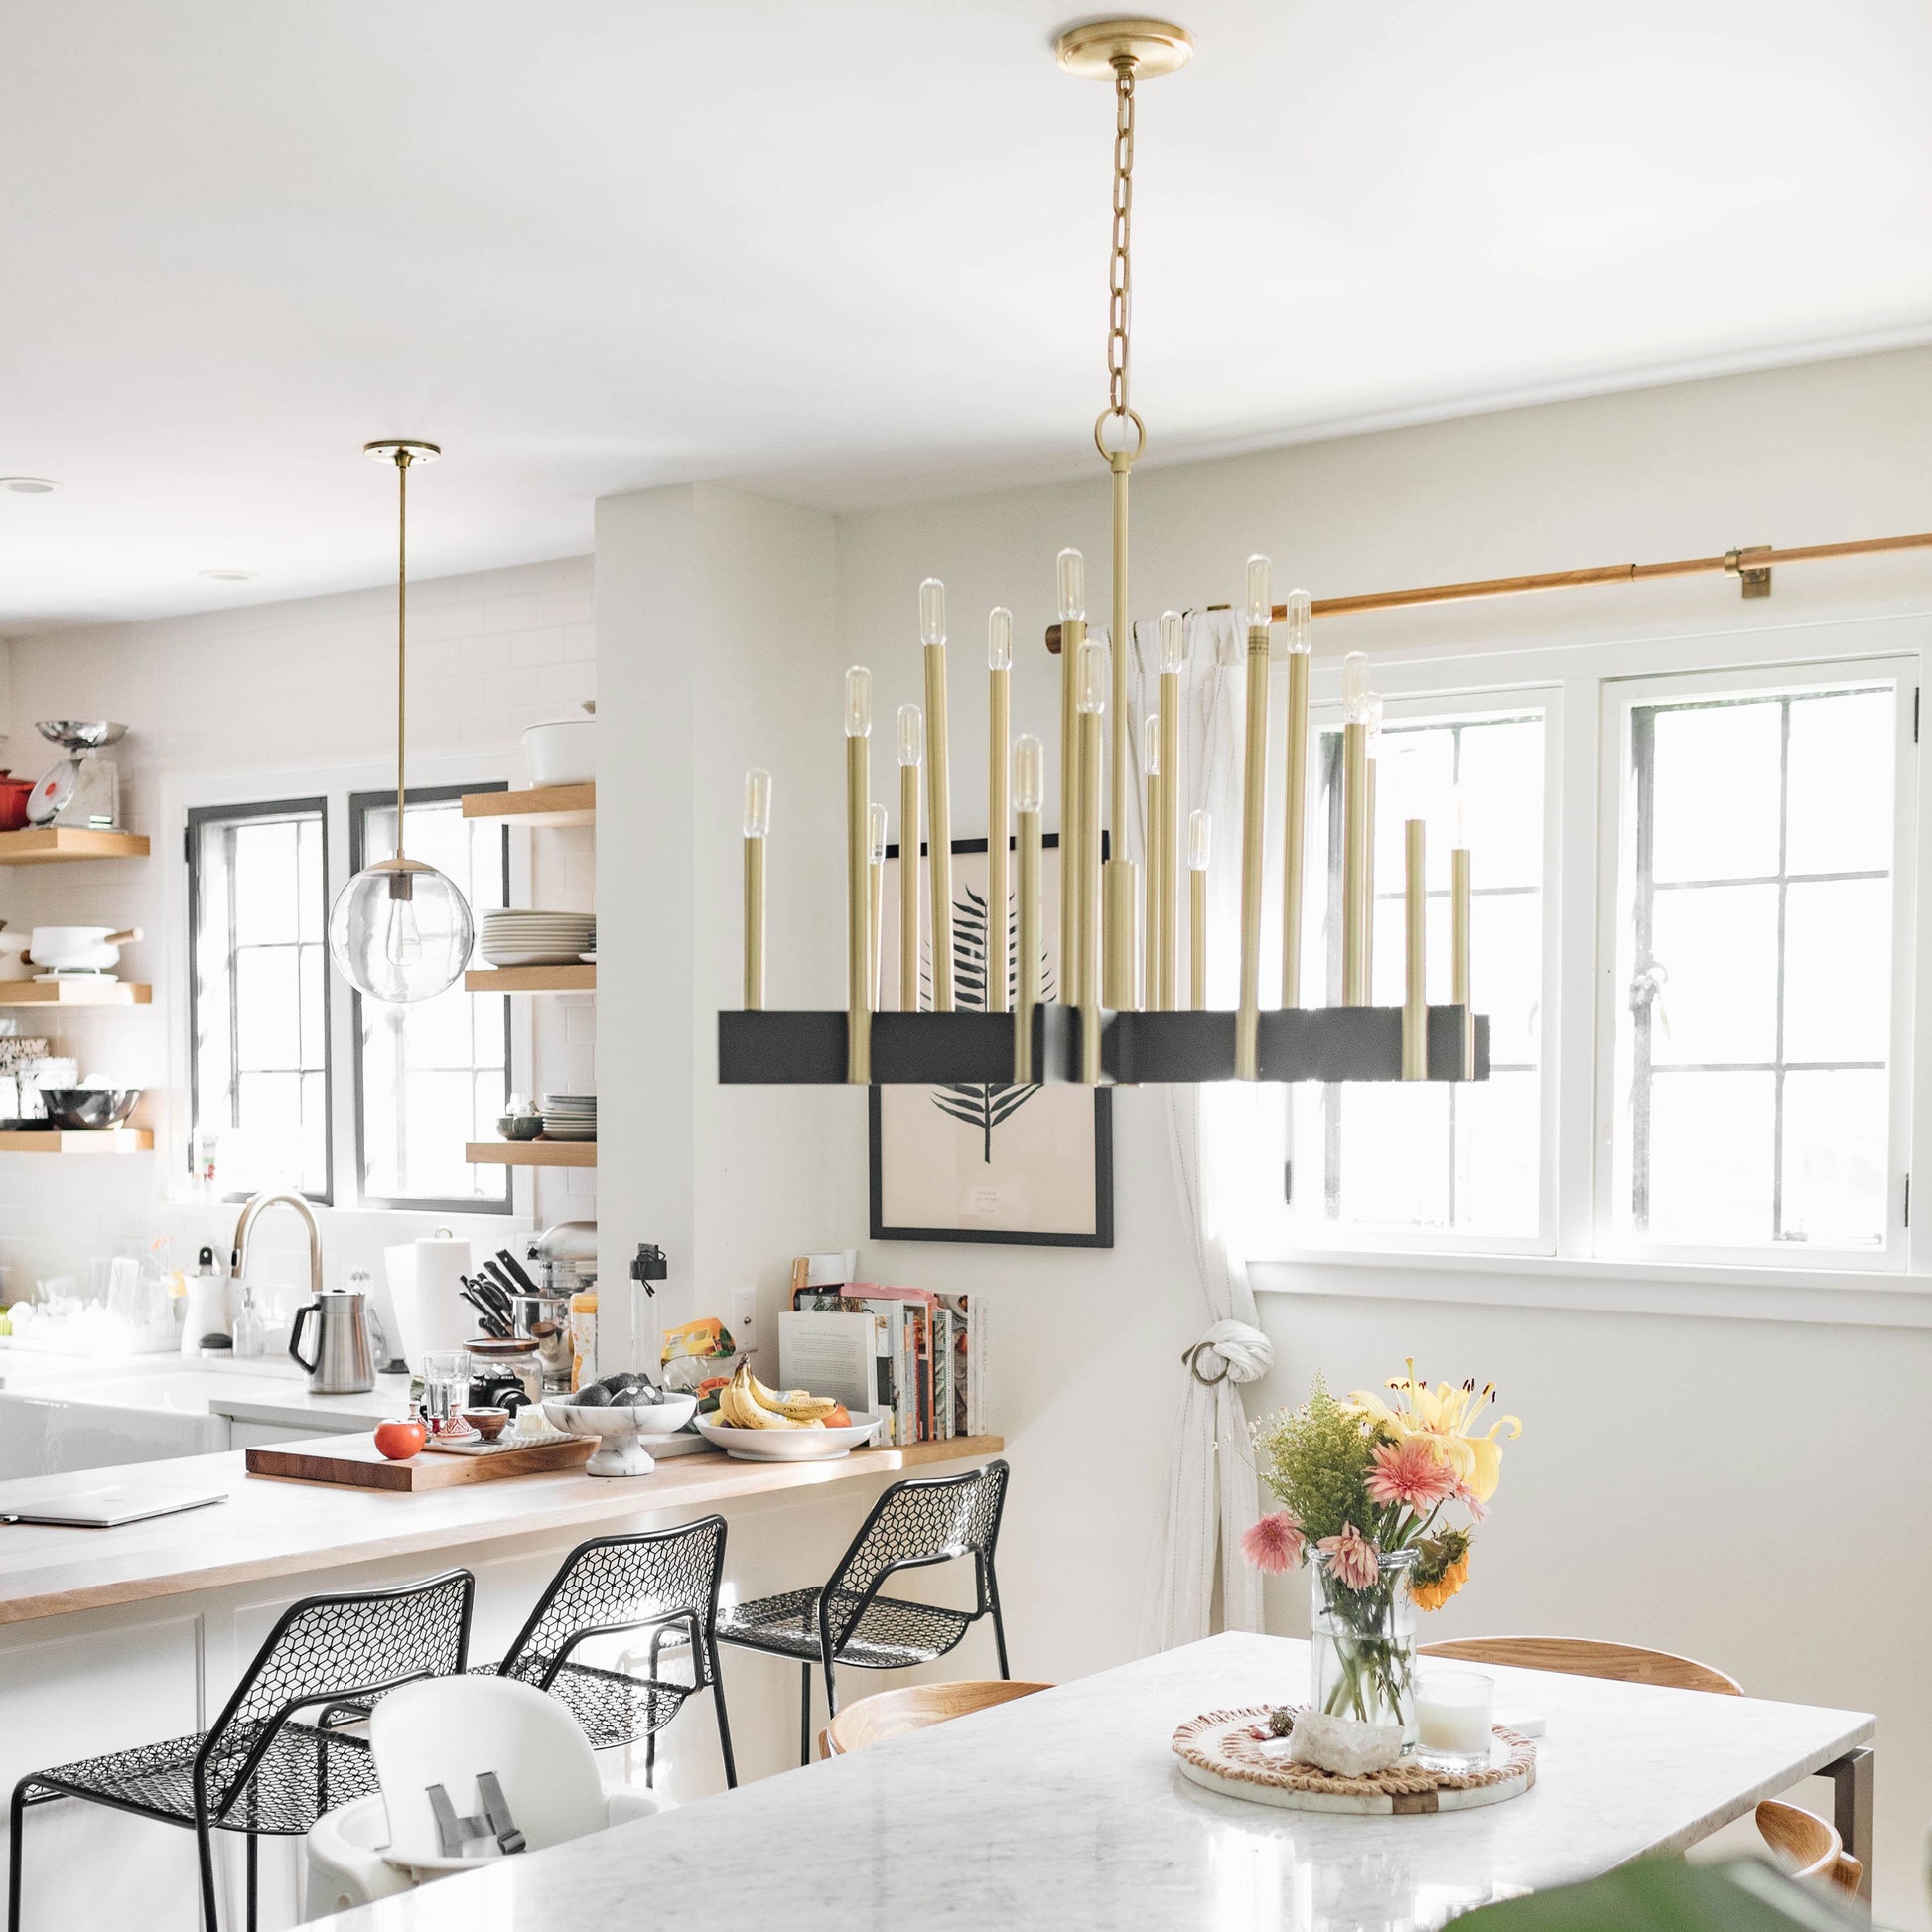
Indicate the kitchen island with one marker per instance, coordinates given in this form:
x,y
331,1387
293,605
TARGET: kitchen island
x,y
117,1637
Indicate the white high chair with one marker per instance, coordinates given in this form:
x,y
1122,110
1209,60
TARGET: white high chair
x,y
471,1768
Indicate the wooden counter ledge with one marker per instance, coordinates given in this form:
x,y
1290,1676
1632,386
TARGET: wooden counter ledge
x,y
272,1529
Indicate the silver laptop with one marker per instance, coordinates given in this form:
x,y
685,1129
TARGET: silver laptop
x,y
111,1505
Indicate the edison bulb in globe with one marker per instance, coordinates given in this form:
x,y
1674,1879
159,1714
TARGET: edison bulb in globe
x,y
401,931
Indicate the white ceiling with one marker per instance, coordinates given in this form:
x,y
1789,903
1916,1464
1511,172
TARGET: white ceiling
x,y
855,247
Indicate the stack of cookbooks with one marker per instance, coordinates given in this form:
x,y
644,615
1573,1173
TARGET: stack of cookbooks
x,y
907,1351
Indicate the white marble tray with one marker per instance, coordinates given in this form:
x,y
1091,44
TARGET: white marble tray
x,y
1218,1752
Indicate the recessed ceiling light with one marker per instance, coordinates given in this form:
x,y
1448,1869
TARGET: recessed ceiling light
x,y
230,576
29,486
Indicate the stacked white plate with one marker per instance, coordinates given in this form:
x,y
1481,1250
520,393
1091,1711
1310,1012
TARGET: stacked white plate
x,y
513,938
570,1116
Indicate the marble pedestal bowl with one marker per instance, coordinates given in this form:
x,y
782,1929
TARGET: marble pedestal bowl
x,y
619,1430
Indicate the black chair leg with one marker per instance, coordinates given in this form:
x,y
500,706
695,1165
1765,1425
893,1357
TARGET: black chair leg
x,y
831,1692
723,1722
999,1624
204,1846
16,1823
804,1713
253,1854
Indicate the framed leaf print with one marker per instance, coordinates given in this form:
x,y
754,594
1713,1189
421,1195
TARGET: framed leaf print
x,y
1024,1164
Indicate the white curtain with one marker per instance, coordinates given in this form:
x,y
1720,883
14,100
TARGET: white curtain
x,y
1226,1144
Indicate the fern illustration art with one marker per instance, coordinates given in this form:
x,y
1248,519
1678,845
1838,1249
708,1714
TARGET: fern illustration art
x,y
982,1108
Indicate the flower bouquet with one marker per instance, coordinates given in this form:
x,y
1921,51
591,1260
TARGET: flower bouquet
x,y
1370,1488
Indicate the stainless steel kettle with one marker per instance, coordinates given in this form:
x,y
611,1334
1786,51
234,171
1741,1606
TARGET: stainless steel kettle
x,y
344,1361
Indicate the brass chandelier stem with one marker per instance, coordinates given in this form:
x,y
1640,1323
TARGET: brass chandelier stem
x,y
402,632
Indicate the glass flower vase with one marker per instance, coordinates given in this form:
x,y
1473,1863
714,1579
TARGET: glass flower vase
x,y
1363,1644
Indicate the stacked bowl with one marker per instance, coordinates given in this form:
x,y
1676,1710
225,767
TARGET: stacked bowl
x,y
570,1116
513,938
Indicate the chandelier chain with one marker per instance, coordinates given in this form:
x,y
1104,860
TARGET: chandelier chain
x,y
1120,264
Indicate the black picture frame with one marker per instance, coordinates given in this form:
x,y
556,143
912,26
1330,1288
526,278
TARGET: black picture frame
x,y
1101,1234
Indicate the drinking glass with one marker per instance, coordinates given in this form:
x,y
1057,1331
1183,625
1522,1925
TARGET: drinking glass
x,y
1452,1716
446,1386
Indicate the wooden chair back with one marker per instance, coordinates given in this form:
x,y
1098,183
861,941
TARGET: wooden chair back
x,y
1809,1848
914,1707
1582,1657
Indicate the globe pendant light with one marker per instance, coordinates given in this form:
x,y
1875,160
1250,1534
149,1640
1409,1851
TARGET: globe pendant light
x,y
400,931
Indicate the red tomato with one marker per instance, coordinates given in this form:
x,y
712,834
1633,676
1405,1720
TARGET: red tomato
x,y
401,1440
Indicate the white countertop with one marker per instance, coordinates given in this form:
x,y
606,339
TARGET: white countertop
x,y
269,1529
1066,1812
267,1389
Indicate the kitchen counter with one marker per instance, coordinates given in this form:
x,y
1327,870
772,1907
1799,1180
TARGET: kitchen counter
x,y
269,1528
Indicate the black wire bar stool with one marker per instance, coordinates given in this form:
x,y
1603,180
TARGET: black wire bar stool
x,y
917,1523
256,1769
662,1580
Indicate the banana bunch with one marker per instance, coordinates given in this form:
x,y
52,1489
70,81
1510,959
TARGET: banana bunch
x,y
746,1402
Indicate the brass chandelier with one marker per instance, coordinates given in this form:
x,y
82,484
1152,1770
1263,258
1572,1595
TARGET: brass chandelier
x,y
1119,1014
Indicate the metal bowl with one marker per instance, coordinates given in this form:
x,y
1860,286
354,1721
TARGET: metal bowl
x,y
80,1109
80,734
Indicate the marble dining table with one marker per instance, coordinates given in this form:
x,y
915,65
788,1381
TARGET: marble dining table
x,y
1065,1810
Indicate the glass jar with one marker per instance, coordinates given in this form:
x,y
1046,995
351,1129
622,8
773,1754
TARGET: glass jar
x,y
1363,1644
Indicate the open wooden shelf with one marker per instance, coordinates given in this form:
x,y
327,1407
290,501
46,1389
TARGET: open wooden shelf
x,y
540,805
530,979
533,1154
46,845
74,993
63,1140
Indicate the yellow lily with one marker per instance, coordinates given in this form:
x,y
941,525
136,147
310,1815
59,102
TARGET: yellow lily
x,y
1446,1416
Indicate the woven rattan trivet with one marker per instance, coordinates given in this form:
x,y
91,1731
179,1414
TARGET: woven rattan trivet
x,y
1218,1751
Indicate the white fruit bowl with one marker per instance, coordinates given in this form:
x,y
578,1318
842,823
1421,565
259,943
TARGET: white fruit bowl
x,y
791,1445
619,1430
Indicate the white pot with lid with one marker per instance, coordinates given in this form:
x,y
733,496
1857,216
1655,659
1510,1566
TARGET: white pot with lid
x,y
78,948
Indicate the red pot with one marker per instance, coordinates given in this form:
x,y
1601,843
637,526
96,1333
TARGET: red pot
x,y
14,794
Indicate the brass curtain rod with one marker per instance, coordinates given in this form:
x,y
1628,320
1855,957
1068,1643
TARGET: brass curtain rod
x,y
1752,565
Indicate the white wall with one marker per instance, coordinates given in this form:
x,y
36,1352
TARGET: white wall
x,y
271,701
1744,1491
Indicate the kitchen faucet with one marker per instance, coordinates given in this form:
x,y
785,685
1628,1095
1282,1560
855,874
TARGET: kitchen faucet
x,y
245,1227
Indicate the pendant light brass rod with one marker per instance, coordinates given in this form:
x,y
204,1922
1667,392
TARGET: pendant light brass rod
x,y
999,699
1752,557
1028,944
1253,794
1075,630
1355,908
402,610
910,888
1164,906
1121,884
1294,826
1415,918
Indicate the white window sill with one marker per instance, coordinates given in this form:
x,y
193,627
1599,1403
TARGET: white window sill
x,y
1845,1297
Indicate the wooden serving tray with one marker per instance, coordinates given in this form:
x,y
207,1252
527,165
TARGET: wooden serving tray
x,y
355,1462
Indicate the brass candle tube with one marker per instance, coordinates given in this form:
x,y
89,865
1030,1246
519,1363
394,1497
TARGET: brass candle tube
x,y
1460,953
1301,646
1091,698
1355,833
858,893
1028,788
938,816
1151,925
1071,573
1373,773
757,823
1166,831
876,819
1414,986
1253,794
912,753
1200,829
1121,877
999,694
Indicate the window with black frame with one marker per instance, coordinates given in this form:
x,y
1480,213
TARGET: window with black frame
x,y
258,996
433,1075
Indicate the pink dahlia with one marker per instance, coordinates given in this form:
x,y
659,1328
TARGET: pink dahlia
x,y
1470,1501
1275,1543
1409,1473
1352,1556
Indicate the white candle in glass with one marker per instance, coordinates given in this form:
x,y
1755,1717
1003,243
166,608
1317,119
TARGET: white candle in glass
x,y
1452,1716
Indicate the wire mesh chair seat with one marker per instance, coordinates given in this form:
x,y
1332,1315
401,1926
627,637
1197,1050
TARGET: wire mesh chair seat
x,y
916,1522
260,1769
304,1773
887,1633
665,1582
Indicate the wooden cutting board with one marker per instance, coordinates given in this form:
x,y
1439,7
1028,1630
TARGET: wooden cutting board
x,y
356,1461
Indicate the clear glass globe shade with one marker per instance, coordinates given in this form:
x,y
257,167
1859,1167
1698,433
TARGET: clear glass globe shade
x,y
405,945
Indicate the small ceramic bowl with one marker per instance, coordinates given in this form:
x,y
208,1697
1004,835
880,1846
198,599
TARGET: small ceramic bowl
x,y
519,1127
488,1422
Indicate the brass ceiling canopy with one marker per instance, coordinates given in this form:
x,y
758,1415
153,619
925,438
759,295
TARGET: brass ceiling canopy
x,y
1094,48
402,448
